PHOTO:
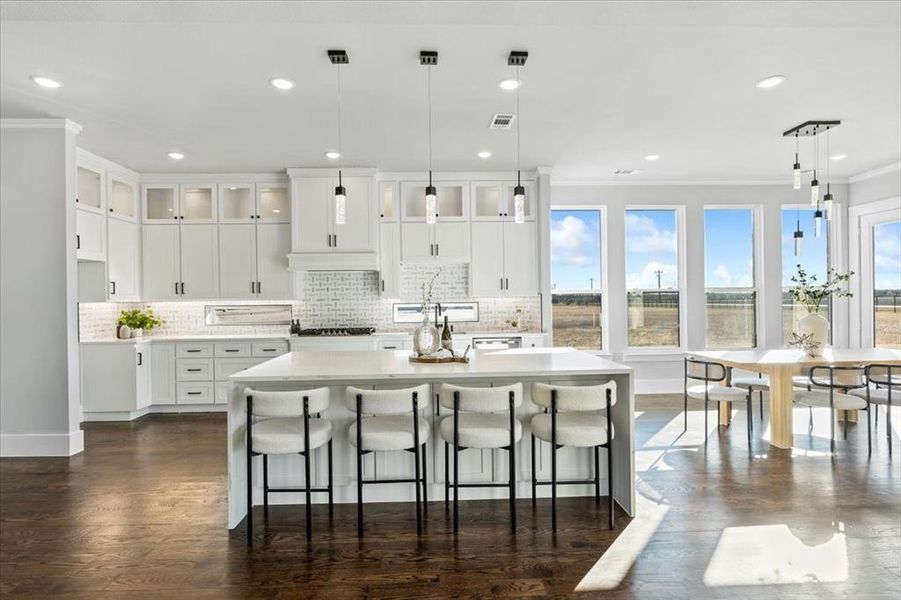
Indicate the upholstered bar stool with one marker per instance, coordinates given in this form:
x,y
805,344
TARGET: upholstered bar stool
x,y
286,423
573,418
477,423
830,387
711,374
389,420
883,388
757,384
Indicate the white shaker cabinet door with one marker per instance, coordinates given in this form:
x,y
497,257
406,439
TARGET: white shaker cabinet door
x,y
311,197
487,265
199,261
520,258
89,229
416,242
162,373
123,262
161,262
274,281
389,259
452,242
237,260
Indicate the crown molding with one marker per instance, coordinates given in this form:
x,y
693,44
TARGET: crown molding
x,y
891,168
40,124
674,182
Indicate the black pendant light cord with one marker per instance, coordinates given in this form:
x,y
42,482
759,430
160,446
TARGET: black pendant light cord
x,y
518,131
827,164
340,151
429,84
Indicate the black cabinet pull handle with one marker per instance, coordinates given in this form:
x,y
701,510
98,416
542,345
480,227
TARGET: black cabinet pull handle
x,y
270,349
182,288
252,291
113,292
77,242
176,291
506,283
383,285
232,350
259,288
437,250
140,359
194,393
194,370
193,350
502,283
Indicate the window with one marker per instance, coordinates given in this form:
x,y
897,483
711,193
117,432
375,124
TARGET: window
x,y
729,278
576,278
814,260
887,285
652,277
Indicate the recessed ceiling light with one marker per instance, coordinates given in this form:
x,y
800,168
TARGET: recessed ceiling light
x,y
332,155
175,155
626,172
281,83
484,154
46,82
771,81
839,157
652,157
509,84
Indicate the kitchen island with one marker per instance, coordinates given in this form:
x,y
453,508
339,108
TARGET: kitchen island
x,y
387,369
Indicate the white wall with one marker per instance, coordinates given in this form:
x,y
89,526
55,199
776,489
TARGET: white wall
x,y
39,404
878,184
663,371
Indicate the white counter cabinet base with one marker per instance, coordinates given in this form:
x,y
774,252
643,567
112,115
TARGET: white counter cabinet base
x,y
391,369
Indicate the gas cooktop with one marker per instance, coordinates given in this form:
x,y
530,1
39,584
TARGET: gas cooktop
x,y
336,331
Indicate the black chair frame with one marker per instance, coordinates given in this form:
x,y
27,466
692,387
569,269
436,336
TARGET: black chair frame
x,y
707,378
832,385
888,383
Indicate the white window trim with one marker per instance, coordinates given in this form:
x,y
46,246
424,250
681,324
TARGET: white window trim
x,y
861,220
756,257
632,351
605,304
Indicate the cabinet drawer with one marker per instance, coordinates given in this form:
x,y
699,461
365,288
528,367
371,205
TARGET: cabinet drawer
x,y
222,392
226,367
194,369
195,393
232,349
273,348
194,350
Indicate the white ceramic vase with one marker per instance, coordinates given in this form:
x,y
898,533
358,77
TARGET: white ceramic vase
x,y
817,326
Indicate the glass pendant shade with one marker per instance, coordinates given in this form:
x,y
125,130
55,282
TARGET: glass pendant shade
x,y
828,204
431,205
340,205
814,192
817,223
519,204
796,174
799,237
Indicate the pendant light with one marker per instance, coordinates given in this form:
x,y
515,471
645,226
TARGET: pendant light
x,y
796,168
338,58
828,201
798,235
518,59
817,222
430,59
814,184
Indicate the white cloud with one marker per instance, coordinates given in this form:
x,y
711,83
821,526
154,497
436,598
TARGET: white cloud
x,y
646,279
643,235
570,239
723,277
887,257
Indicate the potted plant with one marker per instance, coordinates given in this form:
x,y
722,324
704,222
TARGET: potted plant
x,y
812,330
136,321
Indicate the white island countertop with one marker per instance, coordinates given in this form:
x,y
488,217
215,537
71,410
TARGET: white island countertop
x,y
387,365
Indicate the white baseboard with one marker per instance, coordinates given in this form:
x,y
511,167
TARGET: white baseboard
x,y
659,386
120,416
41,444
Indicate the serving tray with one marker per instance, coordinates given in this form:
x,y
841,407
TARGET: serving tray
x,y
436,361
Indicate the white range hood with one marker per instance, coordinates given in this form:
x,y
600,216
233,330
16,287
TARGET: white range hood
x,y
337,261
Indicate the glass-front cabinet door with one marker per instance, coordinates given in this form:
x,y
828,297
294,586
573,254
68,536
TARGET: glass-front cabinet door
x,y
160,203
122,199
273,203
237,203
453,200
197,203
90,189
388,195
486,200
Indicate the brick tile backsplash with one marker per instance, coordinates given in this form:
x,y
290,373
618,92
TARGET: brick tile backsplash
x,y
330,299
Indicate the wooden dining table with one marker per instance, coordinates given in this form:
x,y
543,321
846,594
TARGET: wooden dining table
x,y
781,365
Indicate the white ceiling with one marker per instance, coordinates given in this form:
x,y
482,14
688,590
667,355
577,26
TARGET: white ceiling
x,y
605,84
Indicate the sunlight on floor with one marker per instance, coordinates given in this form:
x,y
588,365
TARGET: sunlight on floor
x,y
672,437
772,554
610,570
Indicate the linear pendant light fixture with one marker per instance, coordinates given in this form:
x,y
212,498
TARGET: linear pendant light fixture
x,y
796,168
429,59
338,58
518,59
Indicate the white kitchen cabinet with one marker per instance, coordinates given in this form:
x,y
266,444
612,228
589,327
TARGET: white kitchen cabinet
x,y
504,259
199,261
162,262
493,200
123,199
237,203
273,203
143,375
123,262
197,203
238,260
274,281
162,373
113,379
90,195
90,235
160,203
388,200
328,344
452,200
441,243
389,259
312,205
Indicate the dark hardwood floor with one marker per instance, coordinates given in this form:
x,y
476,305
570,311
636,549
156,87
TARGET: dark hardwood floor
x,y
141,514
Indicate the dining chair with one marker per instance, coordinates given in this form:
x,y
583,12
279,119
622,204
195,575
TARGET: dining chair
x,y
827,391
711,390
881,381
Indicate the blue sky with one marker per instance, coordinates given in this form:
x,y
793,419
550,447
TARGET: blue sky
x,y
651,246
813,249
887,255
729,248
575,249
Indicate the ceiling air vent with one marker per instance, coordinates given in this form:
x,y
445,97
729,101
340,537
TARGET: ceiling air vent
x,y
501,121
626,172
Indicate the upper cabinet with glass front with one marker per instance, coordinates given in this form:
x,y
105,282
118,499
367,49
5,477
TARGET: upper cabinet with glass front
x,y
186,203
273,203
388,197
160,203
123,199
493,200
197,203
90,189
453,200
237,202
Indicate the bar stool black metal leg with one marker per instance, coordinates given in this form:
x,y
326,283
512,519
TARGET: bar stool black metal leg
x,y
331,489
845,414
760,393
425,481
534,470
416,465
554,460
359,466
306,465
266,485
512,465
249,445
869,433
446,475
597,474
456,461
609,461
750,421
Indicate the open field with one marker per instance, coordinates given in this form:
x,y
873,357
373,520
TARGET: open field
x,y
888,327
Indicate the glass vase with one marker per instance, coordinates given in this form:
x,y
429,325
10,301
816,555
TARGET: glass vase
x,y
426,338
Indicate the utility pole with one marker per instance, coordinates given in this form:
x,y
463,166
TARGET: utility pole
x,y
658,272
591,285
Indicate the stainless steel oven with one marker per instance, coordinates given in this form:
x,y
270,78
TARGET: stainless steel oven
x,y
496,343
